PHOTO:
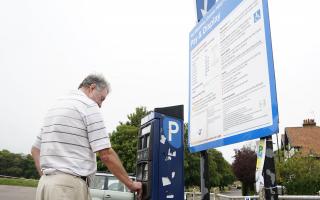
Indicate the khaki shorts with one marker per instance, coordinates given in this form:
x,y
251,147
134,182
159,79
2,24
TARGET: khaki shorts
x,y
62,187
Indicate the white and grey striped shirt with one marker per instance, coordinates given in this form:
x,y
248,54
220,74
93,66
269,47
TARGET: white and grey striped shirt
x,y
72,132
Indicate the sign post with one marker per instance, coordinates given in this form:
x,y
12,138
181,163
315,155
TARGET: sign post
x,y
204,176
269,172
202,7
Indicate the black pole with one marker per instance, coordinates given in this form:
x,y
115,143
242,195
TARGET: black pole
x,y
204,175
269,173
278,147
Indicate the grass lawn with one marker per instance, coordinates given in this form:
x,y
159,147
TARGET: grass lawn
x,y
19,182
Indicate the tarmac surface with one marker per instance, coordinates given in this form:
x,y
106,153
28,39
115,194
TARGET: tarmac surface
x,y
8,192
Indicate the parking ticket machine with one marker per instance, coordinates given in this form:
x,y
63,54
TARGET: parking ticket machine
x,y
160,154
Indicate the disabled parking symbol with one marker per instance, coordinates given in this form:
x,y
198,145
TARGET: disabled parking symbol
x,y
256,16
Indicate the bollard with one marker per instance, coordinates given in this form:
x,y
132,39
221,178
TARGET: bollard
x,y
262,194
193,193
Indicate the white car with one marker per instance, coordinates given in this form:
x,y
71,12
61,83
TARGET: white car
x,y
105,186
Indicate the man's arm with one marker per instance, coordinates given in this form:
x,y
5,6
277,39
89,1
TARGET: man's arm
x,y
110,158
35,152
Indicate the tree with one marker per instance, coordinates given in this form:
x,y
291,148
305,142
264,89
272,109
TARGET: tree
x,y
300,175
17,165
29,167
191,164
124,140
244,167
220,171
135,118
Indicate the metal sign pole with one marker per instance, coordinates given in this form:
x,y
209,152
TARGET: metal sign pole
x,y
202,7
204,175
269,173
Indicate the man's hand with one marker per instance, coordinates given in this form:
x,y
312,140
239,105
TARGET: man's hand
x,y
136,187
110,158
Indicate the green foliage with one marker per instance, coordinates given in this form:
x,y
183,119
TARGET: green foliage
x,y
244,167
17,165
221,171
19,182
300,175
124,140
279,159
135,118
191,167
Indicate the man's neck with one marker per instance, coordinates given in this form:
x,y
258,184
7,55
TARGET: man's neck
x,y
85,91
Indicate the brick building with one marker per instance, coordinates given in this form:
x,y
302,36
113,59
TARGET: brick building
x,y
305,140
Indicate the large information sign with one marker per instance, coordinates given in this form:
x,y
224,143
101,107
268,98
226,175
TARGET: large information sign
x,y
232,92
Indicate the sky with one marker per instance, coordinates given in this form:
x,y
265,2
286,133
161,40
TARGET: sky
x,y
142,48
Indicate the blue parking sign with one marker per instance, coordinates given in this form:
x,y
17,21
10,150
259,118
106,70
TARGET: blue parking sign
x,y
172,129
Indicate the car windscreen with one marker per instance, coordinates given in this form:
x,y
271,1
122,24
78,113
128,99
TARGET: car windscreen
x,y
115,185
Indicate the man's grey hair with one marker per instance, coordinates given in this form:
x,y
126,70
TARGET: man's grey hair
x,y
97,79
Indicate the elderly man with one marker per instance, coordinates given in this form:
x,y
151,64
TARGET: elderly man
x,y
73,132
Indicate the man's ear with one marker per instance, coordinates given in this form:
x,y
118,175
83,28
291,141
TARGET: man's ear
x,y
93,86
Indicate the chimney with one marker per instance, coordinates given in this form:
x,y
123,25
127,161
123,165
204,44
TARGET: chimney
x,y
309,122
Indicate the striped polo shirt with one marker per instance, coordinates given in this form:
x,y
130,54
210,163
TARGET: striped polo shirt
x,y
73,130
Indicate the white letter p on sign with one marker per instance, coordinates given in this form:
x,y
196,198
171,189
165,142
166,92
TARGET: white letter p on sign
x,y
173,129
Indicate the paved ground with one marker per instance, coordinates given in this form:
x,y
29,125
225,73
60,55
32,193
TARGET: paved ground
x,y
17,193
233,192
